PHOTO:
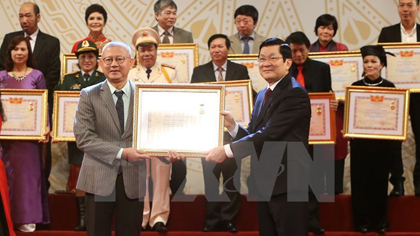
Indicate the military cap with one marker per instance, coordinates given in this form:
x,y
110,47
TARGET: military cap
x,y
86,46
145,35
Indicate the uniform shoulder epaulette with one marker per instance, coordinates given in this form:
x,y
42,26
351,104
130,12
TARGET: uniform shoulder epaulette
x,y
72,73
169,66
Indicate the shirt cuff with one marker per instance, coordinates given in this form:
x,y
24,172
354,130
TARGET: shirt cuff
x,y
228,151
234,132
119,155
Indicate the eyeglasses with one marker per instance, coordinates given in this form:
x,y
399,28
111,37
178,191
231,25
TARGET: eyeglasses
x,y
271,59
119,59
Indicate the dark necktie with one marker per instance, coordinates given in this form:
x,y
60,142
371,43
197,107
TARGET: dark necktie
x,y
120,108
246,44
148,71
166,37
87,76
267,95
300,77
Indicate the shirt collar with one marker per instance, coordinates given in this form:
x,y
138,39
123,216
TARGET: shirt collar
x,y
251,36
34,35
126,89
90,73
273,86
161,31
413,31
224,66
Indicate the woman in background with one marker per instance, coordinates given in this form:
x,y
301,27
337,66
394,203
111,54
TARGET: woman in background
x,y
325,28
27,190
95,17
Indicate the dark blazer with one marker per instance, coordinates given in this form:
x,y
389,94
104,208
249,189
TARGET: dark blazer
x,y
46,55
392,34
317,75
205,73
180,35
285,117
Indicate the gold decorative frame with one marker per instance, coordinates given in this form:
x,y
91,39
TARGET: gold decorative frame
x,y
59,117
246,84
407,50
377,94
17,96
342,63
155,101
251,62
328,118
169,53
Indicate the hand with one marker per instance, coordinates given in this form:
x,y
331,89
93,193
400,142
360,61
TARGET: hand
x,y
46,135
132,154
52,137
334,104
229,120
174,156
217,155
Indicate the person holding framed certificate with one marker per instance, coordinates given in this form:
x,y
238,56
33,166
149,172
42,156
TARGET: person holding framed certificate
x,y
370,157
27,186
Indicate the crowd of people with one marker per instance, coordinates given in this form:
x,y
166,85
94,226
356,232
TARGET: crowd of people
x,y
110,177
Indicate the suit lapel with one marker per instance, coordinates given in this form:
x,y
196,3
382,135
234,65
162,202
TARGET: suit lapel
x,y
109,101
209,73
39,44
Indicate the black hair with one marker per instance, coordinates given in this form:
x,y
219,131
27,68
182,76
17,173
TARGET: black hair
x,y
215,36
326,20
298,37
96,8
285,50
247,10
8,61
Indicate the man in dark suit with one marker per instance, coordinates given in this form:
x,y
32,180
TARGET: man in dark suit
x,y
46,51
113,174
281,113
315,76
407,31
220,216
165,14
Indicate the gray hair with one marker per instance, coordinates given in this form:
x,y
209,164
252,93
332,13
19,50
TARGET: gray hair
x,y
162,4
118,44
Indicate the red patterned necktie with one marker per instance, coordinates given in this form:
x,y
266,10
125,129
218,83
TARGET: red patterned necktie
x,y
267,95
300,77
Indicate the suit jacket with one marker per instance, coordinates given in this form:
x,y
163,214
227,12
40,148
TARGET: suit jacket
x,y
98,135
46,55
235,43
392,34
284,117
180,35
205,73
317,75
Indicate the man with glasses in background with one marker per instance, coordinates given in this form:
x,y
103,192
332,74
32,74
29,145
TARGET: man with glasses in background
x,y
247,40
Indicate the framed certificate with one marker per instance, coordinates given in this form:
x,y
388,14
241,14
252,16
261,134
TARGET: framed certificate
x,y
403,69
65,105
183,56
181,117
346,68
26,113
376,113
322,128
239,100
250,61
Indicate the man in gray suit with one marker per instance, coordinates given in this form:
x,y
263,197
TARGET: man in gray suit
x,y
246,40
113,174
165,14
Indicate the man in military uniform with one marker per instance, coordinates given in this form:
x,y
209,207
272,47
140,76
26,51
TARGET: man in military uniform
x,y
148,70
87,56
